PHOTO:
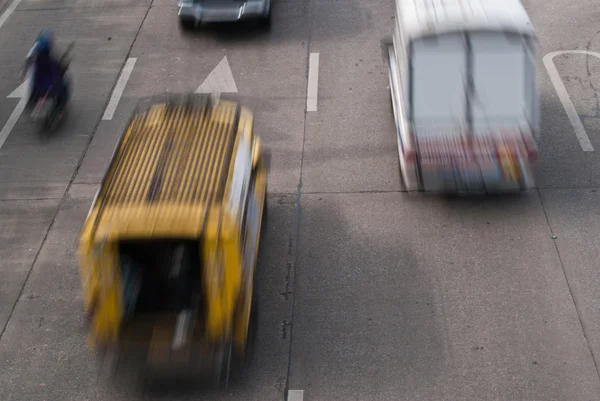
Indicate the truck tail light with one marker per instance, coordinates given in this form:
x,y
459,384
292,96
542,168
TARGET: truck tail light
x,y
409,149
532,152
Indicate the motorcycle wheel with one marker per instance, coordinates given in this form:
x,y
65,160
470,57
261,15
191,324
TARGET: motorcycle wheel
x,y
51,119
47,124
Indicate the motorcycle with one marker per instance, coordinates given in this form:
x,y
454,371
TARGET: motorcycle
x,y
48,111
50,108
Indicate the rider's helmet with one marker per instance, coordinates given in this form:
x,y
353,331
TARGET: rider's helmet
x,y
45,42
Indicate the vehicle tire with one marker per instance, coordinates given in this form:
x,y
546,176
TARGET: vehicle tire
x,y
224,371
187,24
265,20
402,183
53,118
263,224
48,123
242,362
238,364
252,329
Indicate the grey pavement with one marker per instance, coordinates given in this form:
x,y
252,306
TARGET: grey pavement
x,y
483,314
366,292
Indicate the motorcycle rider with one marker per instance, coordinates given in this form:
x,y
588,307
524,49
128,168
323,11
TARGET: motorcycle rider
x,y
48,71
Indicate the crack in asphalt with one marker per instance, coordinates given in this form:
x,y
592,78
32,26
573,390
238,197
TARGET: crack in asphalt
x,y
77,8
574,297
298,212
587,65
31,199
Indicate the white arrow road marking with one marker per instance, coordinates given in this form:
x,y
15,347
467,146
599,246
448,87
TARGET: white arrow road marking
x,y
295,395
220,80
565,99
9,10
312,91
21,92
119,88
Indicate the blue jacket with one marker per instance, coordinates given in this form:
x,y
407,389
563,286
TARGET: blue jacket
x,y
47,75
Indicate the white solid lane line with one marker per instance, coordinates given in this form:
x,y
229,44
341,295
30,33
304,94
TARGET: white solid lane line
x,y
565,99
295,395
312,92
9,10
119,88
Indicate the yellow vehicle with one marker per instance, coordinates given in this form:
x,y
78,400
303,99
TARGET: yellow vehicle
x,y
168,251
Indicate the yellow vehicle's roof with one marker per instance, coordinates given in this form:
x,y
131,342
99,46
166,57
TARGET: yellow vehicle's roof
x,y
168,171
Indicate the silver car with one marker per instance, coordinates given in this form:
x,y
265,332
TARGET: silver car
x,y
193,12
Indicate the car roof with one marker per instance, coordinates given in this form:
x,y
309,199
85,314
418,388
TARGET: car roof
x,y
420,18
170,168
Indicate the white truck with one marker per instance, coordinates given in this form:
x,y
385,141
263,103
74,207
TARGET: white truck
x,y
463,82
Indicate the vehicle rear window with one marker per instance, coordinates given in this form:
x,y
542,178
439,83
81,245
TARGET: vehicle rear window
x,y
438,77
499,78
500,83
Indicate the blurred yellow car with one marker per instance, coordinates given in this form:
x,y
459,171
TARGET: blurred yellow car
x,y
168,251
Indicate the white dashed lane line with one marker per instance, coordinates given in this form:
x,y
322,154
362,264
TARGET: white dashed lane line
x,y
119,88
312,92
295,395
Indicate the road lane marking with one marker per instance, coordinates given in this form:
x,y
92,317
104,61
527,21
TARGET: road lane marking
x,y
565,99
312,92
22,93
12,120
220,80
295,395
119,88
9,10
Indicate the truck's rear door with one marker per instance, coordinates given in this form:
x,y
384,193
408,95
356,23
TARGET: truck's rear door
x,y
472,104
438,104
502,108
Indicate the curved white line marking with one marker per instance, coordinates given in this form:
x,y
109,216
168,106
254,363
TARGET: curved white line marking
x,y
565,99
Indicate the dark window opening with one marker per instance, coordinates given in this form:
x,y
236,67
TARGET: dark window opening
x,y
162,276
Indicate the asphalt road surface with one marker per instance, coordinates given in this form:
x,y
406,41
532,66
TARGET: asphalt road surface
x,y
367,293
